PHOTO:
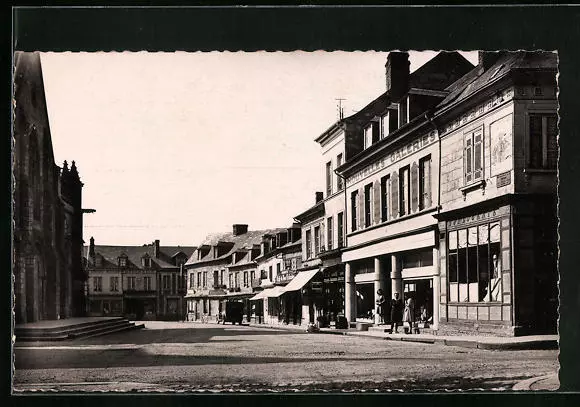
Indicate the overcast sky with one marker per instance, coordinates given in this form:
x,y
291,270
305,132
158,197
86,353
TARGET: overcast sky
x,y
174,146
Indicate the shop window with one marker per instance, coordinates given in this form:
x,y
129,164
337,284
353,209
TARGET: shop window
x,y
473,156
308,242
417,258
340,226
404,201
543,134
354,207
474,269
385,196
425,182
339,180
329,178
368,204
97,284
329,232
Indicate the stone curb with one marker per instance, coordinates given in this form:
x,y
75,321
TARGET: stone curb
x,y
459,342
526,385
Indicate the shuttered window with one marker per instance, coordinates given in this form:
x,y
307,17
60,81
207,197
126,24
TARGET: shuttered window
x,y
395,194
340,226
543,134
385,196
329,231
473,156
354,210
376,202
425,182
414,186
368,204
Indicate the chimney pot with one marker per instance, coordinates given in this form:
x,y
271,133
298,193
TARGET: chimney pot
x,y
92,248
156,248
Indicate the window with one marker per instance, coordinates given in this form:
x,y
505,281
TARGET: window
x,y
339,180
123,261
98,284
308,243
216,278
146,261
329,232
354,206
252,275
385,196
403,111
340,229
329,178
404,201
166,283
473,156
263,274
237,277
231,280
543,141
368,204
191,281
246,279
222,281
316,240
199,279
474,266
147,283
385,125
114,283
294,263
270,274
368,136
132,283
205,278
278,269
425,182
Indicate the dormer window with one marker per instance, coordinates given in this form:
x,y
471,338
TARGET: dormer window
x,y
99,261
371,133
146,261
122,261
404,111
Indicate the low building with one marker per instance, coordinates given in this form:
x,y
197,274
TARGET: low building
x,y
49,280
140,282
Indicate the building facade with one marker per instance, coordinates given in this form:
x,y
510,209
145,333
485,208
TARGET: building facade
x,y
451,199
498,217
140,282
392,189
49,280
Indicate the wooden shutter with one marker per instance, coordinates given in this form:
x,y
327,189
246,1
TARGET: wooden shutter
x,y
377,202
477,154
414,186
361,208
395,195
427,175
468,159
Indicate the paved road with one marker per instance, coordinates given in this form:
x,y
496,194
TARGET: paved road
x,y
194,357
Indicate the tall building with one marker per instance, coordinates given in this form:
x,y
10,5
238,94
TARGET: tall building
x,y
49,280
451,194
140,282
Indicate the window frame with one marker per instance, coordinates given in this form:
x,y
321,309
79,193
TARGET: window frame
x,y
339,180
340,230
354,210
329,233
308,243
425,183
404,190
328,169
385,196
469,143
368,204
545,115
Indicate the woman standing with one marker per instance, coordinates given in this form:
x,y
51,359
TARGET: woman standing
x,y
409,313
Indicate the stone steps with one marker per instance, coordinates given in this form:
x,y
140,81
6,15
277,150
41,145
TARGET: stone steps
x,y
67,330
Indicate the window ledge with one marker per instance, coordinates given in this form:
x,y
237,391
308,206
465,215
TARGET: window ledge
x,y
474,185
540,171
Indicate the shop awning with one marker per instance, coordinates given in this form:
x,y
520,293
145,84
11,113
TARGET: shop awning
x,y
300,280
274,292
258,296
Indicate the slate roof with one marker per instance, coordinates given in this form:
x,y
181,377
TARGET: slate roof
x,y
135,253
243,241
508,61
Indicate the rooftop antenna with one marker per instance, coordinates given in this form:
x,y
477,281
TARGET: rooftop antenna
x,y
340,108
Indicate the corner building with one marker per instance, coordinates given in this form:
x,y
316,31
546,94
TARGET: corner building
x,y
392,190
498,216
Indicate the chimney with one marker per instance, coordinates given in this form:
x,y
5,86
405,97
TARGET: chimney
x,y
92,249
397,74
156,248
487,58
240,229
319,196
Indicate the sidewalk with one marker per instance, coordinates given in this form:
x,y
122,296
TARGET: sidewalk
x,y
544,383
479,342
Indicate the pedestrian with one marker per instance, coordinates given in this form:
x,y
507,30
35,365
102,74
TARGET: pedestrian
x,y
381,306
409,314
396,313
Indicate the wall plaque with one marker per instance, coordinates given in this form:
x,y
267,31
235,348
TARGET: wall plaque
x,y
503,179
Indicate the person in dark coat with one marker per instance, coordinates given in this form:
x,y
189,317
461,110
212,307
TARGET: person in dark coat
x,y
381,302
396,313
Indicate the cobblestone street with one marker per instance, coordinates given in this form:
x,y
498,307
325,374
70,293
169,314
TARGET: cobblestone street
x,y
194,357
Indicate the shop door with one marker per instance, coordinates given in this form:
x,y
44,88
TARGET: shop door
x,y
422,293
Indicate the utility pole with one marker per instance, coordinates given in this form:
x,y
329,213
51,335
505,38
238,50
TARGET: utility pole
x,y
340,108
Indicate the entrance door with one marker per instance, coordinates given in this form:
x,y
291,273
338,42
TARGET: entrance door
x,y
422,293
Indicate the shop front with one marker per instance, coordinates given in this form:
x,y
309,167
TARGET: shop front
x,y
333,287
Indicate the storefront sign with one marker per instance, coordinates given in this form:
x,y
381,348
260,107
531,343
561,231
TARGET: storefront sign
x,y
394,156
316,287
504,210
503,179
